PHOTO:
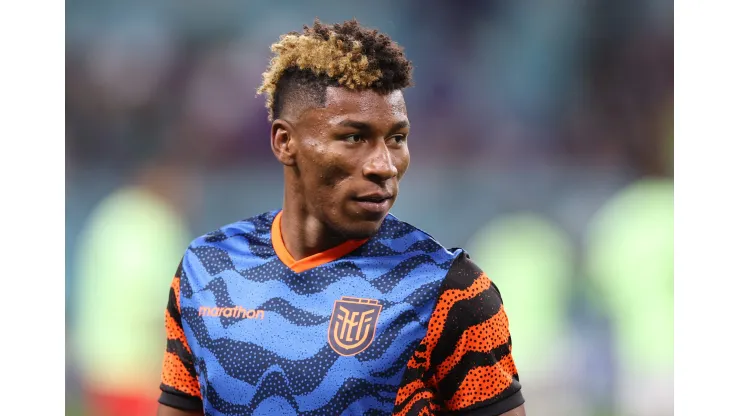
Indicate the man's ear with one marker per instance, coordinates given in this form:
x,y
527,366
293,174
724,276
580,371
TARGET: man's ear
x,y
283,142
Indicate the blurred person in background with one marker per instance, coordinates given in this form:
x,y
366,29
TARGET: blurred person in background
x,y
532,261
125,254
629,257
628,250
332,305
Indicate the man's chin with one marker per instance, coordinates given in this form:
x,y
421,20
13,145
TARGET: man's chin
x,y
361,230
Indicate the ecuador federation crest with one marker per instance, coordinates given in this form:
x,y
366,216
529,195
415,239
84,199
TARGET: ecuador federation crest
x,y
352,324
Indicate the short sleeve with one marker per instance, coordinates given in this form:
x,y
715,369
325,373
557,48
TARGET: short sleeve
x,y
180,387
471,365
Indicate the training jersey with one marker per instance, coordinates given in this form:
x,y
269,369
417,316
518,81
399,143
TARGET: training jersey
x,y
392,325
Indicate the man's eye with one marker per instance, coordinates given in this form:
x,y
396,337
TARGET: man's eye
x,y
399,139
354,138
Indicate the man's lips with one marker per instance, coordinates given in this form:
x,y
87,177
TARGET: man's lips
x,y
377,197
375,203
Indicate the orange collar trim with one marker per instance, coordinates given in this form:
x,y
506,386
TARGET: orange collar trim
x,y
313,261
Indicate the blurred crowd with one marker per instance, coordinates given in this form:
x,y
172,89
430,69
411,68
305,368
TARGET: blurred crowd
x,y
541,142
496,81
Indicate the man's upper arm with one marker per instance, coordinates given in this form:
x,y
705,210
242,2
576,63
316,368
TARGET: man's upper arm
x,y
171,411
180,386
518,411
485,411
473,368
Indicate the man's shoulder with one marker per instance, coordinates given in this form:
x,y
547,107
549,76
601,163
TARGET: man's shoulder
x,y
233,247
400,237
464,272
252,228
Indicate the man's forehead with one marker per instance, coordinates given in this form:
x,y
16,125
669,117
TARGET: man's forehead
x,y
345,101
364,106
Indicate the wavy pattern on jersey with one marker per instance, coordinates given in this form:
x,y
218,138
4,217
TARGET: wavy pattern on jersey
x,y
296,310
388,281
216,261
233,392
375,412
394,228
247,361
367,406
383,248
258,226
415,240
259,246
394,239
401,267
384,341
353,393
274,341
295,372
295,316
415,293
382,265
399,364
308,282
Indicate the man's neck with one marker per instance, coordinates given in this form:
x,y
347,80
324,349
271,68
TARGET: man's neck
x,y
305,235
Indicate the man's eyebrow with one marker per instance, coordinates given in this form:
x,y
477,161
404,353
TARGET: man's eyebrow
x,y
400,125
360,125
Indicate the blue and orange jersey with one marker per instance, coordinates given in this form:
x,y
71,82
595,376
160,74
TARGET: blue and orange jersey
x,y
393,325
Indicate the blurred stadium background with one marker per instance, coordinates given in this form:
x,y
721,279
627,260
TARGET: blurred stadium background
x,y
542,142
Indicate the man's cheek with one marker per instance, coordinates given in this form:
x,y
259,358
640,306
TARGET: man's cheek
x,y
335,174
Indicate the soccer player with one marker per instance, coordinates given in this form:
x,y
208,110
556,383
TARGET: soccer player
x,y
332,305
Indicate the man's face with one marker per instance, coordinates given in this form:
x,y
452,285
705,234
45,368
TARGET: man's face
x,y
351,155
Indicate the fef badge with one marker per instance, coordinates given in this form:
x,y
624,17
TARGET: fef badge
x,y
352,324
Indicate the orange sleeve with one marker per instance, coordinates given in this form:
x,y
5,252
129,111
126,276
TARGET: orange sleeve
x,y
471,361
464,363
180,387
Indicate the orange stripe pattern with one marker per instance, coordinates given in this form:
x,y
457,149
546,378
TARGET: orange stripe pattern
x,y
483,337
483,383
426,394
407,390
439,317
175,331
175,286
174,374
475,367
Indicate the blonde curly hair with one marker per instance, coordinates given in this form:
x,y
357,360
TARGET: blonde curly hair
x,y
345,54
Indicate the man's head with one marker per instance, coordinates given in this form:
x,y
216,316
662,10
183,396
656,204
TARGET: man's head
x,y
339,123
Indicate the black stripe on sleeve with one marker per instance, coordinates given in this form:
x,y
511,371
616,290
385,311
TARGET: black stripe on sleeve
x,y
494,407
176,347
463,315
176,399
449,385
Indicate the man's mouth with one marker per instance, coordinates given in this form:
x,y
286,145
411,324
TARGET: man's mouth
x,y
376,197
377,203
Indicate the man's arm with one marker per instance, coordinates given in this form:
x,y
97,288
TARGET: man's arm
x,y
180,387
171,411
471,360
519,411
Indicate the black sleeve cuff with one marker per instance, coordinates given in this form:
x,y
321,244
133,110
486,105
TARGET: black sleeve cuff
x,y
182,402
496,408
